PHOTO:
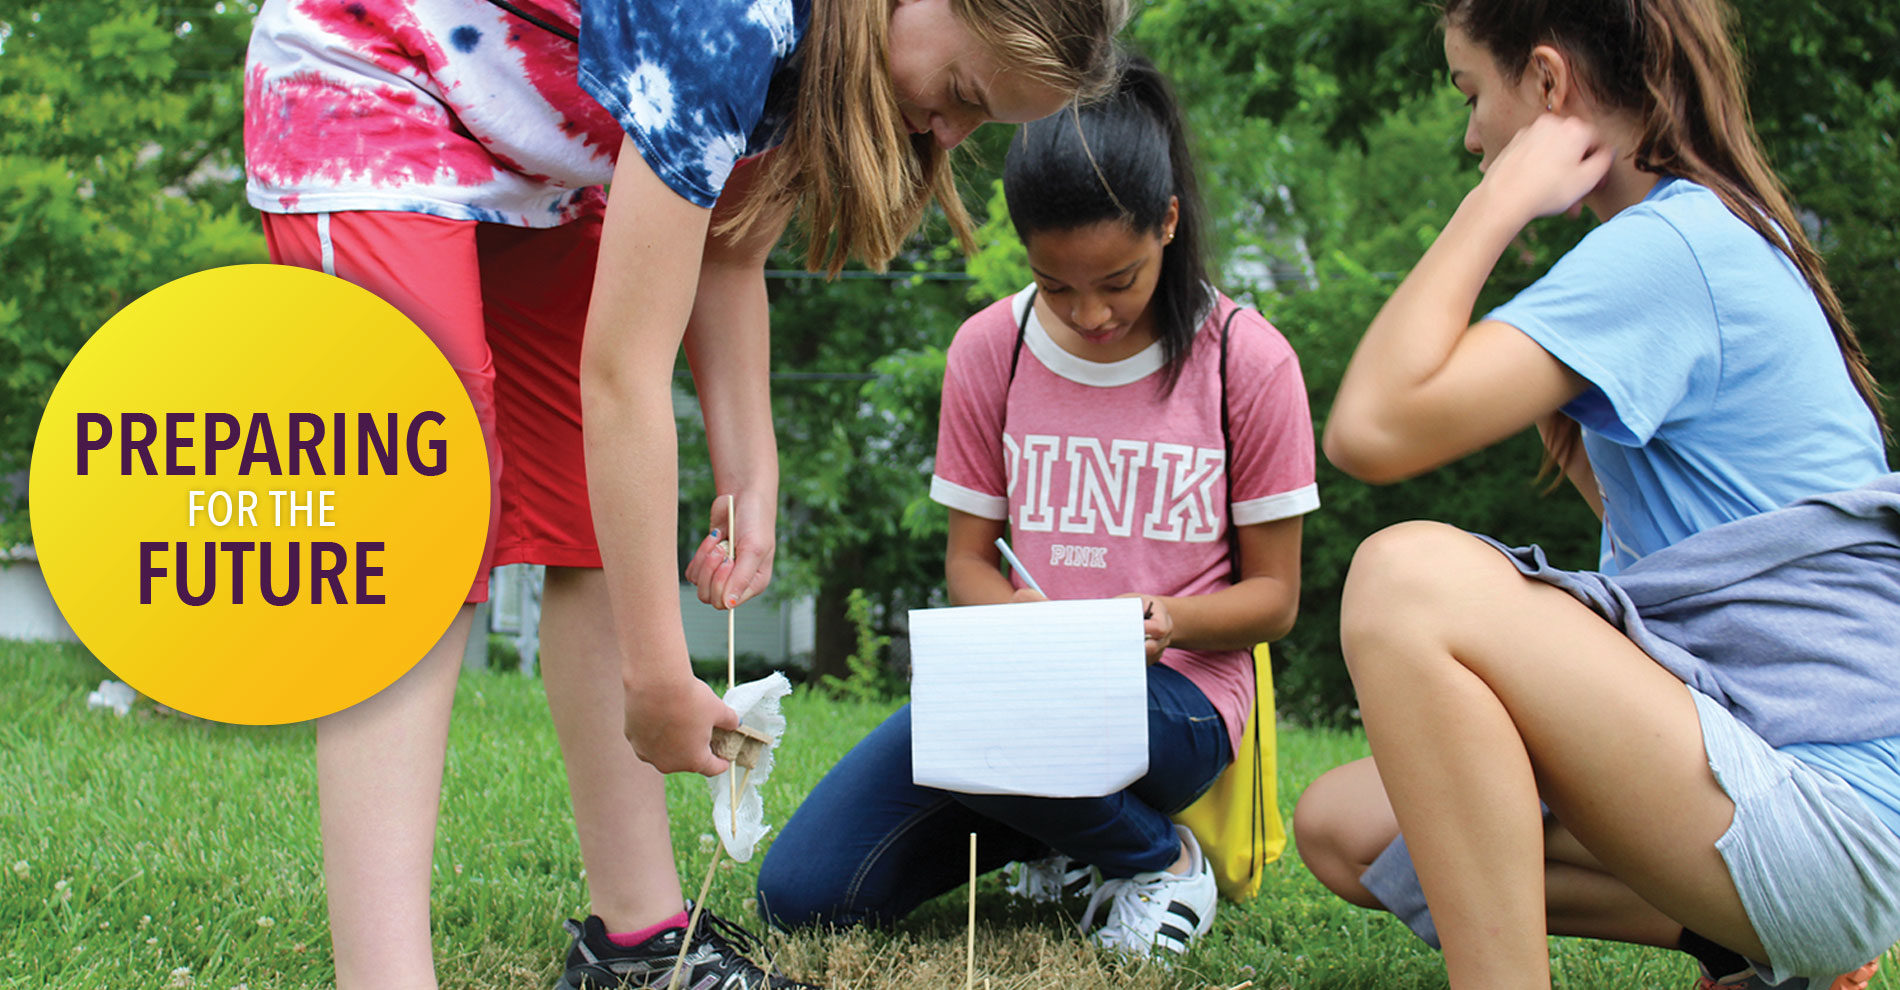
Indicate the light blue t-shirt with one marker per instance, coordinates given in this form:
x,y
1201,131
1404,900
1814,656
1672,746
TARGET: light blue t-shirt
x,y
1716,388
1871,768
1716,392
696,85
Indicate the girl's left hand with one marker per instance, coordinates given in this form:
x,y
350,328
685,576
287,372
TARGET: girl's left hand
x,y
1549,167
727,572
1157,626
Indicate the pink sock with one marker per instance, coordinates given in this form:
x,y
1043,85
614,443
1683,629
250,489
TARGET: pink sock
x,y
629,939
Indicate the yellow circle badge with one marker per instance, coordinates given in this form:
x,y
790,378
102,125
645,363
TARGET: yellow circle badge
x,y
259,494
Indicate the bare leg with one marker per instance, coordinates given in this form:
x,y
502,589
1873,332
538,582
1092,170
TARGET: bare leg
x,y
1480,689
619,801
1344,821
379,783
1583,898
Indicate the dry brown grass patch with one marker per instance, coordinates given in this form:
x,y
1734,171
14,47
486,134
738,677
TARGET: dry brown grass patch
x,y
1006,959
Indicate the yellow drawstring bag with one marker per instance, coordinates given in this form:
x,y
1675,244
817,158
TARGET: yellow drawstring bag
x,y
1237,821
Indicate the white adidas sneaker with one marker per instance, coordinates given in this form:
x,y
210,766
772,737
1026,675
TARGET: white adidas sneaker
x,y
1157,911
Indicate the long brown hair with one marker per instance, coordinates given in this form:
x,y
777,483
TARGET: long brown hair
x,y
1673,65
848,169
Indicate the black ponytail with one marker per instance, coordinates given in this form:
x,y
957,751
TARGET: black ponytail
x,y
1121,158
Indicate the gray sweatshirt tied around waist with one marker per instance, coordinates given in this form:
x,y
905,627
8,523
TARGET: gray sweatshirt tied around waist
x,y
1790,618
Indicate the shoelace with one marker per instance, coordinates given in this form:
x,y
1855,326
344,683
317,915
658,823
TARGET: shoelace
x,y
734,936
714,928
1123,912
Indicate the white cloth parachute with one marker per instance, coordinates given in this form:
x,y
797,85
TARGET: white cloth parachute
x,y
757,703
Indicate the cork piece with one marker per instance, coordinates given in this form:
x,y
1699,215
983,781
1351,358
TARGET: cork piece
x,y
743,747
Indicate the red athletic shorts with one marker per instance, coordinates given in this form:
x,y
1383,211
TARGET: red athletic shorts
x,y
507,305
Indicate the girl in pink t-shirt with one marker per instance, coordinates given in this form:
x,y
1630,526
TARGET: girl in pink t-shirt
x,y
1134,432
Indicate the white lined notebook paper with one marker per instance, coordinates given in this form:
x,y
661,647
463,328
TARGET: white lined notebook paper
x,y
1039,698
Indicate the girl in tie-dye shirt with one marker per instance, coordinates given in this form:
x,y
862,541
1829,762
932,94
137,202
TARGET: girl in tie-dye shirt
x,y
450,155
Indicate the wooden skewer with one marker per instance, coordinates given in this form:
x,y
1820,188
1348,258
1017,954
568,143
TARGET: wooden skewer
x,y
732,526
742,748
692,922
969,981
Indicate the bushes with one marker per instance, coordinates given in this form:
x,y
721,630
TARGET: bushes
x,y
117,175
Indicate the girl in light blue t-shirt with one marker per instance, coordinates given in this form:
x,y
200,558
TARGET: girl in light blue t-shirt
x,y
1687,366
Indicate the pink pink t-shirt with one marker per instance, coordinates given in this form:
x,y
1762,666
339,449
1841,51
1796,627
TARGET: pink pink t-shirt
x,y
1109,487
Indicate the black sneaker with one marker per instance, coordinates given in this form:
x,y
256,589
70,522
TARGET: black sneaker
x,y
716,961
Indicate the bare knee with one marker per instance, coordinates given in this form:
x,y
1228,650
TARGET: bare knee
x,y
1405,584
1342,823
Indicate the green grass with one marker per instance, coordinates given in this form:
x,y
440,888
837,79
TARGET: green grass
x,y
155,850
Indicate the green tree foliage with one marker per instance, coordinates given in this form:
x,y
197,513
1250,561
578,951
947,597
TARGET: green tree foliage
x,y
1000,265
1825,90
117,158
870,679
860,367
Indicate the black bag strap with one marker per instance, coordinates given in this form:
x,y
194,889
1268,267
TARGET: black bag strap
x,y
1016,355
1256,819
1227,445
551,28
1256,824
1022,329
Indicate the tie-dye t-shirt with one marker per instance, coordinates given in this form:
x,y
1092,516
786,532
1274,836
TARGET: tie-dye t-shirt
x,y
459,109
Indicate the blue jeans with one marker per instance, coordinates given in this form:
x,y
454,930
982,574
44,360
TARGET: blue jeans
x,y
868,846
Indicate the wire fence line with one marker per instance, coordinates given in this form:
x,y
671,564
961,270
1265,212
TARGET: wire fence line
x,y
794,274
810,376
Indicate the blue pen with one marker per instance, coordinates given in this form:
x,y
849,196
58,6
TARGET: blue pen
x,y
1017,566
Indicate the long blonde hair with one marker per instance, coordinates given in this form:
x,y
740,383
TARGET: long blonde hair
x,y
853,177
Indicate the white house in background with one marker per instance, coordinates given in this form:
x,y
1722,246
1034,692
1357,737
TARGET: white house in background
x,y
771,627
26,607
777,629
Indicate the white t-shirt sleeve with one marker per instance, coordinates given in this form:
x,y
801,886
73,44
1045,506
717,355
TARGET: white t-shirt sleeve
x,y
1271,427
970,473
